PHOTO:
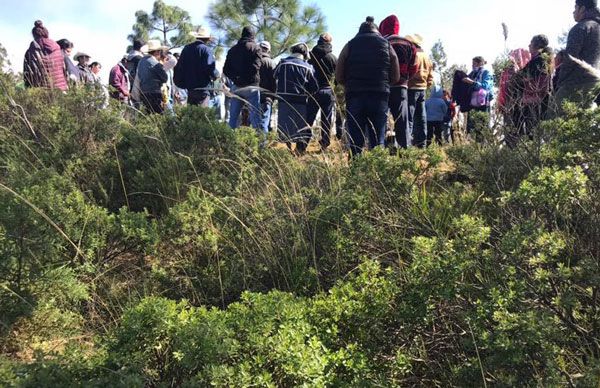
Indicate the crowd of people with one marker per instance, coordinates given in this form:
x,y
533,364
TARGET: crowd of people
x,y
387,80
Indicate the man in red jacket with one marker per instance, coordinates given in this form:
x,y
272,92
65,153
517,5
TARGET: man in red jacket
x,y
407,61
119,81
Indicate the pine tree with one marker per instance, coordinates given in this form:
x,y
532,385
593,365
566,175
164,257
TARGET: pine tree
x,y
439,59
281,22
172,23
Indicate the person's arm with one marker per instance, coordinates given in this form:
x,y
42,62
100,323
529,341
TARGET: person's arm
x,y
312,85
394,66
574,47
340,71
160,72
430,75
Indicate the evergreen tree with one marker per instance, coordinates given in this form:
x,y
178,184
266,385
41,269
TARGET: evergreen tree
x,y
440,60
3,58
172,23
281,22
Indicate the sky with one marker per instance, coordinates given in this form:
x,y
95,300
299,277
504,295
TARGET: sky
x,y
467,28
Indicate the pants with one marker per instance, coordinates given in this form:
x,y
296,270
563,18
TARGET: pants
x,y
398,105
247,95
153,102
417,117
435,128
367,118
198,97
266,108
292,125
323,100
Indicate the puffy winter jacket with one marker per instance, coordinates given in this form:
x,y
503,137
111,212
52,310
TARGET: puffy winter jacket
x,y
436,107
368,64
324,62
243,62
196,67
295,80
44,65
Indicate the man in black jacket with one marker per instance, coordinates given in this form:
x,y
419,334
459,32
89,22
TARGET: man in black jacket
x,y
267,85
242,67
196,69
367,66
324,62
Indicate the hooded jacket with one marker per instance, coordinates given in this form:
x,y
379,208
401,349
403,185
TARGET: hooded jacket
x,y
196,67
368,63
324,62
242,65
44,65
436,106
267,79
405,50
295,79
583,43
423,78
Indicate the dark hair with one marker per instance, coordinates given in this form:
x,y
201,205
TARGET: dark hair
x,y
540,42
369,25
479,59
65,44
137,44
248,32
300,48
94,64
588,4
39,31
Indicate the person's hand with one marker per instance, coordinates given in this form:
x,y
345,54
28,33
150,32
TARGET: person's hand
x,y
126,94
468,80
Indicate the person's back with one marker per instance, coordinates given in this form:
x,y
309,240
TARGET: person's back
x,y
436,106
267,78
44,64
134,58
324,62
243,61
196,67
151,74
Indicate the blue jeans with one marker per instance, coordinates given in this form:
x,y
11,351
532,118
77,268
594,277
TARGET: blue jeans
x,y
417,117
399,109
367,118
246,95
323,100
265,121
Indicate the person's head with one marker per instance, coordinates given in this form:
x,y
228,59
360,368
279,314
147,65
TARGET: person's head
x,y
325,38
581,8
248,33
65,45
124,60
538,44
447,95
95,67
368,25
137,45
39,31
82,58
478,62
265,47
302,49
559,58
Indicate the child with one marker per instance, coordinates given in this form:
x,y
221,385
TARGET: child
x,y
449,118
437,110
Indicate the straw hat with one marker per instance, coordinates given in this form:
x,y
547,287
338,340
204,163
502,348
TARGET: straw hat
x,y
201,33
81,54
153,45
416,39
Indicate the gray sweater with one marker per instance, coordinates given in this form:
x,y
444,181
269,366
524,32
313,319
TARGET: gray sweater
x,y
584,44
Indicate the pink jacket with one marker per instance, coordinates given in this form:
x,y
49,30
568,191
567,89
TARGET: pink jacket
x,y
44,65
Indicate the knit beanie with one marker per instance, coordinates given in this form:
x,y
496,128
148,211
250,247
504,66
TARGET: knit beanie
x,y
368,26
39,31
248,32
588,4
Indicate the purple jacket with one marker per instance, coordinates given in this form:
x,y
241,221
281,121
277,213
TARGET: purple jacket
x,y
119,82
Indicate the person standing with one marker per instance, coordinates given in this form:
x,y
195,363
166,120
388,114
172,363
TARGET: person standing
x,y
72,71
295,82
437,109
417,88
242,67
577,81
367,66
324,62
481,82
268,85
85,74
196,69
119,81
407,60
44,63
151,76
134,57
